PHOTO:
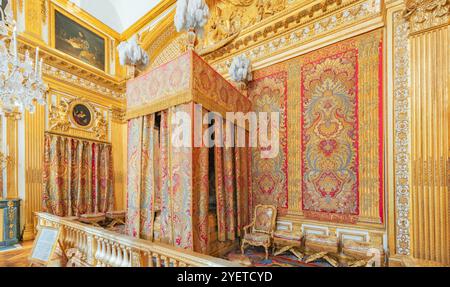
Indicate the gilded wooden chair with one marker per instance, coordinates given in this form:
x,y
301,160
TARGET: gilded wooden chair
x,y
262,228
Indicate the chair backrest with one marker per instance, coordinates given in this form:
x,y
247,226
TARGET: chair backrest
x,y
265,218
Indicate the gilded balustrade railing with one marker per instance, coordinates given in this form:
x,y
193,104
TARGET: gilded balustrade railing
x,y
102,248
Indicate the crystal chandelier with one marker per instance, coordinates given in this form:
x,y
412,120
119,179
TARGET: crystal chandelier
x,y
21,83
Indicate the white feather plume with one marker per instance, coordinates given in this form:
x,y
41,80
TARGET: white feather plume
x,y
240,69
131,53
191,14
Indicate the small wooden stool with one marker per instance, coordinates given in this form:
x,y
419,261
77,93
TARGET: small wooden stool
x,y
322,246
116,217
363,253
93,219
287,240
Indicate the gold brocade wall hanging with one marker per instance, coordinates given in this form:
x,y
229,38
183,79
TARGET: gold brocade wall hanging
x,y
77,118
330,165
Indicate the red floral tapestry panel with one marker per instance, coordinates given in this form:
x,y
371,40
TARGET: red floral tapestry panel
x,y
329,120
270,175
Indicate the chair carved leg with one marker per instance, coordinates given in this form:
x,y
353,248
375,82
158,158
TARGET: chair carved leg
x,y
243,247
267,251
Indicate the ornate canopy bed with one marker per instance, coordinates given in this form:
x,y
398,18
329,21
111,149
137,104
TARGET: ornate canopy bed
x,y
191,196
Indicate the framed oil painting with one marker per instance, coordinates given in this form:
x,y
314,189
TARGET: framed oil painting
x,y
79,42
81,114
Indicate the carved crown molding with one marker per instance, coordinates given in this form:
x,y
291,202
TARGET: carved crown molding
x,y
287,20
426,14
317,23
61,67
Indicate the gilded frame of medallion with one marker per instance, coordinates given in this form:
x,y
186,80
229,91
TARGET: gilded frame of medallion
x,y
85,103
55,7
60,121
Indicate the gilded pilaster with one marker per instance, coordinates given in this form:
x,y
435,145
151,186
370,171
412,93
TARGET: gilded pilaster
x,y
119,140
398,128
34,150
12,144
430,77
34,15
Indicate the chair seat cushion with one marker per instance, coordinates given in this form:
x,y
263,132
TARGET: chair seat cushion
x,y
322,239
322,243
257,237
360,249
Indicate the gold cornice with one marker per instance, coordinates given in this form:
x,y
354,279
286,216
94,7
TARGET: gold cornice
x,y
61,61
147,18
58,85
350,19
296,15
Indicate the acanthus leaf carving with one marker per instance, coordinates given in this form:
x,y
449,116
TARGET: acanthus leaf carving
x,y
59,117
426,14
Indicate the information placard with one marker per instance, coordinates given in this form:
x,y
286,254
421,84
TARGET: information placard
x,y
44,245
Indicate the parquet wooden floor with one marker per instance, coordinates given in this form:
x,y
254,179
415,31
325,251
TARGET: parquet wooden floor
x,y
18,257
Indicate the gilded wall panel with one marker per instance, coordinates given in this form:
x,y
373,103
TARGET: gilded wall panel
x,y
62,117
430,66
34,133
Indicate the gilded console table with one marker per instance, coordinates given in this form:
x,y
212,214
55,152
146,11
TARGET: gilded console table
x,y
9,222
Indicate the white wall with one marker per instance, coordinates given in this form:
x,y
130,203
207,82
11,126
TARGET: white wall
x,y
117,14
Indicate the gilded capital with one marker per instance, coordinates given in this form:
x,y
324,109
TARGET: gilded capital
x,y
426,14
118,115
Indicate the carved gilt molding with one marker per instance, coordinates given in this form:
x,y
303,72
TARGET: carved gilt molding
x,y
119,115
57,65
402,131
308,24
426,14
60,120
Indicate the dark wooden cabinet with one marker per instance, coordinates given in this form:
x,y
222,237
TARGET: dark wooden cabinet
x,y
9,222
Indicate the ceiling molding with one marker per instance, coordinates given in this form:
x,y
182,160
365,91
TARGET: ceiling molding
x,y
147,18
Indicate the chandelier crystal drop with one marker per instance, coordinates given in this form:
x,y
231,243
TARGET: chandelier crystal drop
x,y
21,84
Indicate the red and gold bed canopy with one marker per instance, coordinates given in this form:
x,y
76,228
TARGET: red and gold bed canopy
x,y
185,79
168,187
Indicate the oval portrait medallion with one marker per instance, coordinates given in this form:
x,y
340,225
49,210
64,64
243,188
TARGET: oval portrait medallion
x,y
81,115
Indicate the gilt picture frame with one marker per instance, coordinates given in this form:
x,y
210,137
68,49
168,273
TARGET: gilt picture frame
x,y
78,39
81,114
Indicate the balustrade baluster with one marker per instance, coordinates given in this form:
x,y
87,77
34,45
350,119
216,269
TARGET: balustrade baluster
x,y
158,260
103,253
126,258
150,259
97,250
108,253
104,248
112,259
119,258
